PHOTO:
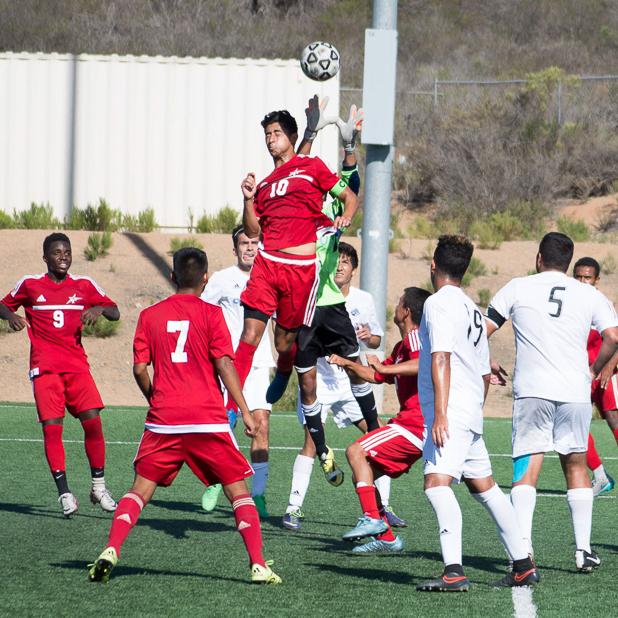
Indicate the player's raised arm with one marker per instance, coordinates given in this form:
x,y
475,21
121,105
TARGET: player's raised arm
x,y
350,204
406,368
251,224
316,120
362,371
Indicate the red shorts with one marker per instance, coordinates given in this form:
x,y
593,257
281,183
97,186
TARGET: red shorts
x,y
213,457
53,392
606,399
390,451
285,283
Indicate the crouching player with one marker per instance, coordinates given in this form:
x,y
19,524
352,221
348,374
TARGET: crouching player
x,y
188,344
392,449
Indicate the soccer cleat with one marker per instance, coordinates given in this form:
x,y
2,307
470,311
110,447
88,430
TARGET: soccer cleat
x,y
365,526
260,505
292,520
394,521
586,561
514,579
602,486
68,502
377,546
103,498
277,387
210,497
448,582
101,569
332,472
264,574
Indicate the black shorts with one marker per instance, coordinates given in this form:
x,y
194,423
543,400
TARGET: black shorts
x,y
331,332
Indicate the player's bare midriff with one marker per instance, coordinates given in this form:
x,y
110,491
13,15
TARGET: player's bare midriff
x,y
307,249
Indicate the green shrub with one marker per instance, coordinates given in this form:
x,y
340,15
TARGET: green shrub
x,y
145,221
390,314
98,245
99,218
223,222
486,235
421,227
484,297
102,328
6,221
476,269
37,217
575,229
428,251
608,265
181,243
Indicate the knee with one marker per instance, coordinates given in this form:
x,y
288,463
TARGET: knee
x,y
353,452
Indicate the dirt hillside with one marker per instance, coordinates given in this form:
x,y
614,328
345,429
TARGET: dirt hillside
x,y
134,275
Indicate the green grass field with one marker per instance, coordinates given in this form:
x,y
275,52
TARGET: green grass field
x,y
182,561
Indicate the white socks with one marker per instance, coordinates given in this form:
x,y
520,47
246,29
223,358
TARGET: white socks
x,y
503,514
523,499
260,478
580,504
383,485
301,475
448,513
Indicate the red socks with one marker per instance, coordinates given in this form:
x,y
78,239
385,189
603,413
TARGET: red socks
x,y
244,360
54,449
593,461
94,442
369,504
125,517
248,524
285,360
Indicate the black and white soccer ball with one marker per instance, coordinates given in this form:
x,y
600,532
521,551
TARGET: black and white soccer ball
x,y
320,61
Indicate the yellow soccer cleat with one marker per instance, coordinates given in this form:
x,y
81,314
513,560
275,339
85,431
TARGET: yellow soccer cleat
x,y
332,472
264,574
101,569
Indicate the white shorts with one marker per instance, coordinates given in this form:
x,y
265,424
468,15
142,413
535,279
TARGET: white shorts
x,y
464,454
254,391
339,400
541,425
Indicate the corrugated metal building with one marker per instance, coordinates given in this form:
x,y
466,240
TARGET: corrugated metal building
x,y
172,134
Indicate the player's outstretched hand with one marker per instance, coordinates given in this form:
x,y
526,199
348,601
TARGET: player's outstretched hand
x,y
335,359
374,362
316,117
498,374
90,316
439,431
248,186
17,322
349,130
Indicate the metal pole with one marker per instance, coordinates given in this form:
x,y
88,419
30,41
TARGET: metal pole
x,y
378,185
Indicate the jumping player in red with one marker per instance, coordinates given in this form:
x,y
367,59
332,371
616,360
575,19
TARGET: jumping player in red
x,y
390,450
188,344
285,209
57,305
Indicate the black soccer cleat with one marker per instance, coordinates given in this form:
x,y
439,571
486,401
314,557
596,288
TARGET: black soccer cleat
x,y
529,577
586,561
448,582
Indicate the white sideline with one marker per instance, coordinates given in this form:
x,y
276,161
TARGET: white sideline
x,y
523,603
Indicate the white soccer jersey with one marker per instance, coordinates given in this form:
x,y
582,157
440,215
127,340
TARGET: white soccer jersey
x,y
362,310
552,315
224,289
453,323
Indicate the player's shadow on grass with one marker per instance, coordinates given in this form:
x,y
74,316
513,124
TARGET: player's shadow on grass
x,y
178,528
173,505
29,509
386,575
123,571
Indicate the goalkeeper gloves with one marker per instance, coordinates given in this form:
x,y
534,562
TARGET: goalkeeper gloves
x,y
350,129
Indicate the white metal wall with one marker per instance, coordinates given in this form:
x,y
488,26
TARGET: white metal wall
x,y
172,134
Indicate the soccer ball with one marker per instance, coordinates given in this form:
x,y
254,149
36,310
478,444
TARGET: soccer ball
x,y
319,61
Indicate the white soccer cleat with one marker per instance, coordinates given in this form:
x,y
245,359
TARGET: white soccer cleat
x,y
264,574
103,498
68,502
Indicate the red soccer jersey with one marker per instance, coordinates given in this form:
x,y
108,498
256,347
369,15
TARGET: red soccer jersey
x,y
54,312
182,336
289,202
409,415
593,345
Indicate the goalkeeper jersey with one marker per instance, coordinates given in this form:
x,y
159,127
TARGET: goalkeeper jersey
x,y
327,248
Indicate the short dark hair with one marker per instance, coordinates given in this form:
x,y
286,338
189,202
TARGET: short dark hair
x,y
236,232
190,265
414,300
590,263
348,250
285,120
556,249
52,238
453,254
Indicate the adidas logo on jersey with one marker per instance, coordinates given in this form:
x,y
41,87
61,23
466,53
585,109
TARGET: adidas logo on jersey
x,y
243,524
373,453
41,299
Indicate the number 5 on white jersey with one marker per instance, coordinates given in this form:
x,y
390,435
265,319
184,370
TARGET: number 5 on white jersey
x,y
179,326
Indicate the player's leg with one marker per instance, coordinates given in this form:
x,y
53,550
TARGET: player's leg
x,y
259,460
611,417
601,481
125,517
254,326
363,393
